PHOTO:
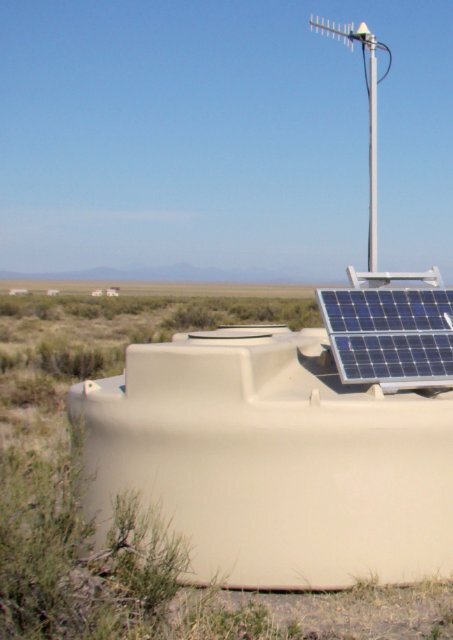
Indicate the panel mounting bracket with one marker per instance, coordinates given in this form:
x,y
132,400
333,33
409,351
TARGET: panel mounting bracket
x,y
375,279
389,388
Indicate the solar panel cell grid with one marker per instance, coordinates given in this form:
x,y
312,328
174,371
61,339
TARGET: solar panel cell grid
x,y
388,310
378,356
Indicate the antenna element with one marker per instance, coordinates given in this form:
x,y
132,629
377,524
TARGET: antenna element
x,y
338,32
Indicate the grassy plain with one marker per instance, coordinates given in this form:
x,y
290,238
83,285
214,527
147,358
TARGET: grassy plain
x,y
51,584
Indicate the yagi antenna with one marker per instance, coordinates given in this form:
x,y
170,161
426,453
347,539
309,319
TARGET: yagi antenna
x,y
370,43
339,32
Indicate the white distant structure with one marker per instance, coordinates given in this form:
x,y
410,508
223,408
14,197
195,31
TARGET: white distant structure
x,y
18,292
53,292
111,292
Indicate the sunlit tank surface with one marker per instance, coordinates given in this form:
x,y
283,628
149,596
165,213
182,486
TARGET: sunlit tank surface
x,y
278,475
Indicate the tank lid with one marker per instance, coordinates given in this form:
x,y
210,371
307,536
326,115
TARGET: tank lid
x,y
257,328
229,336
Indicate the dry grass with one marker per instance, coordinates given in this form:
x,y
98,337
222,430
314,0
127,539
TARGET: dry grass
x,y
366,611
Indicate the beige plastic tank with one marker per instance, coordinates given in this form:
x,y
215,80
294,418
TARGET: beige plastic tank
x,y
278,475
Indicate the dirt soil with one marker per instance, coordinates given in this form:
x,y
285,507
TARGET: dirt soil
x,y
365,612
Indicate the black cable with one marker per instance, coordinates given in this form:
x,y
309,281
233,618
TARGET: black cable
x,y
365,70
384,47
381,45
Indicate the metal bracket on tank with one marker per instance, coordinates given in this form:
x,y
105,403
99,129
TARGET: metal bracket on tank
x,y
373,279
389,388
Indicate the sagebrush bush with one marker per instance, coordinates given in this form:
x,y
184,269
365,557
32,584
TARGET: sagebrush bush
x,y
302,313
46,309
60,360
63,360
193,316
143,335
131,305
109,308
9,361
88,309
10,307
295,313
6,334
146,558
37,305
34,390
41,532
51,584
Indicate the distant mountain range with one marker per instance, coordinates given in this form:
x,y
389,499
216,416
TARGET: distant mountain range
x,y
181,272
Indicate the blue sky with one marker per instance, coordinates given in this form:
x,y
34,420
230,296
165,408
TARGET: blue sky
x,y
222,133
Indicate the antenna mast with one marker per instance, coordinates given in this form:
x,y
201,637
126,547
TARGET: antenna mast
x,y
369,41
372,277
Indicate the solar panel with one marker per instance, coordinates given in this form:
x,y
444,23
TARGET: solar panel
x,y
397,335
347,311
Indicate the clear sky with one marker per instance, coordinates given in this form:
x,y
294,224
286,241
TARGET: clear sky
x,y
222,133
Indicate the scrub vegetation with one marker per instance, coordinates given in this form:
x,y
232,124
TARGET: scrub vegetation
x,y
53,585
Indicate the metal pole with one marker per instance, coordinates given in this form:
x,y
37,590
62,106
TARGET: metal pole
x,y
373,248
